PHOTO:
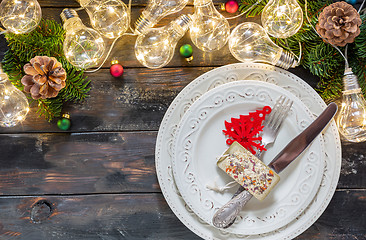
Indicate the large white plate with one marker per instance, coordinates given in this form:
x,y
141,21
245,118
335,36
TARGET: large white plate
x,y
225,74
200,141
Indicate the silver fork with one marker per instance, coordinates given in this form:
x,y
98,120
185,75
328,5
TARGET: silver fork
x,y
226,215
273,122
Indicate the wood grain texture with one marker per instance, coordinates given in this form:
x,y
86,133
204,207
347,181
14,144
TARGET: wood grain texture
x,y
75,4
137,101
124,47
98,180
109,162
34,164
145,216
353,171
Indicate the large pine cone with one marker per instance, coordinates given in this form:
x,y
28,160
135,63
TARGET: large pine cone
x,y
45,77
339,23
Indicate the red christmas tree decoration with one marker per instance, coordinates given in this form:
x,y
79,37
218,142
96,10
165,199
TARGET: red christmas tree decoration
x,y
245,129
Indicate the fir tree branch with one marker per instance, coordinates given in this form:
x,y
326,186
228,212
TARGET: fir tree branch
x,y
50,108
319,57
360,41
46,40
251,11
331,88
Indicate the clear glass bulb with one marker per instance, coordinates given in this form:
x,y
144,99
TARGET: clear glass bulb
x,y
14,105
20,16
282,18
351,119
249,42
209,29
155,11
111,18
155,48
83,47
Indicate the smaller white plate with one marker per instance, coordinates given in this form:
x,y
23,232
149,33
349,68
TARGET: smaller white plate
x,y
200,141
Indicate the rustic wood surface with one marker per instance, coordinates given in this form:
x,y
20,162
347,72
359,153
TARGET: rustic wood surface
x,y
98,180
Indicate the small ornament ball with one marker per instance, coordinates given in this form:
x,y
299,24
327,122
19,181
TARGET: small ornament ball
x,y
231,6
116,69
186,50
64,123
353,2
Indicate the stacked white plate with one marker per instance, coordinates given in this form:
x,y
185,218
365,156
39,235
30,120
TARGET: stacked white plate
x,y
190,140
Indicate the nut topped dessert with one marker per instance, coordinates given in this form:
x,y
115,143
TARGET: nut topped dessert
x,y
250,172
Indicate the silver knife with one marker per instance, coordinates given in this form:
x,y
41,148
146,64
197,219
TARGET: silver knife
x,y
226,215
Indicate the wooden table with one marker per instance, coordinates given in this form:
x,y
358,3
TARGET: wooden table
x,y
98,180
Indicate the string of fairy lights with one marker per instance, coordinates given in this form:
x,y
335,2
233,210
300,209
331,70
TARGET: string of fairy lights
x,y
209,30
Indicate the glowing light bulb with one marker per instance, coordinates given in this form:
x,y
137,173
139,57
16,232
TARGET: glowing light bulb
x,y
209,29
13,103
249,42
111,18
155,48
155,11
351,119
282,18
20,16
83,47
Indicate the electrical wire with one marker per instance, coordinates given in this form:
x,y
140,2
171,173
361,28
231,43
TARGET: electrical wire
x,y
129,8
359,10
307,18
2,31
106,57
241,14
113,43
300,53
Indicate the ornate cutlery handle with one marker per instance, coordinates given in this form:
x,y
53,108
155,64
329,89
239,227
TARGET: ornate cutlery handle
x,y
226,215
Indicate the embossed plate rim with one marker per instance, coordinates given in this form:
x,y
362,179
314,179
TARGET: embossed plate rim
x,y
215,103
233,72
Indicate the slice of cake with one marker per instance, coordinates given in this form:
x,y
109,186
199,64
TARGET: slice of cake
x,y
250,172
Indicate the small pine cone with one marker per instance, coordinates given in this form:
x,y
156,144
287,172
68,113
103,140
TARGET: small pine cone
x,y
45,77
339,23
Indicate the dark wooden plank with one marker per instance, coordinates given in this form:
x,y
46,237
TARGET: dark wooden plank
x,y
138,101
353,172
35,164
75,4
145,216
124,47
105,217
63,3
78,163
344,218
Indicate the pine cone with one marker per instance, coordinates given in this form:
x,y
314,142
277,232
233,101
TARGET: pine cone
x,y
45,77
339,23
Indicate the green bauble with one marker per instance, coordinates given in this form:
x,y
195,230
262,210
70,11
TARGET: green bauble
x,y
64,124
186,50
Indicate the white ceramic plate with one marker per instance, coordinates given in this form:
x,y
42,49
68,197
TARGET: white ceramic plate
x,y
200,141
230,73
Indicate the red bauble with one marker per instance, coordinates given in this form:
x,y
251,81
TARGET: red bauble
x,y
231,6
116,69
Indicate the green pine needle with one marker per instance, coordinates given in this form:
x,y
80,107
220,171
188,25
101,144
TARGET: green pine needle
x,y
250,10
360,41
322,60
46,40
319,57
